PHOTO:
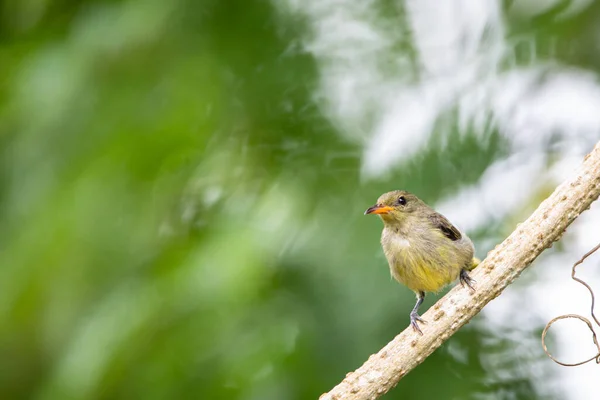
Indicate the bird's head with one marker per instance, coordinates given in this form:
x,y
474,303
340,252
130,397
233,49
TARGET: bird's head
x,y
394,207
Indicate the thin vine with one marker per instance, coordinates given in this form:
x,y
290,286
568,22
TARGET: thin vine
x,y
576,316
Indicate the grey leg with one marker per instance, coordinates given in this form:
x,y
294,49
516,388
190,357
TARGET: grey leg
x,y
415,318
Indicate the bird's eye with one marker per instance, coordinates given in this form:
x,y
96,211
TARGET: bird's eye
x,y
401,200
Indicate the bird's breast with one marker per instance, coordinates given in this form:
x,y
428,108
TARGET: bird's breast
x,y
419,262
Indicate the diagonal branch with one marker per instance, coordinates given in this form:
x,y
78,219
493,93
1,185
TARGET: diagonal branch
x,y
504,264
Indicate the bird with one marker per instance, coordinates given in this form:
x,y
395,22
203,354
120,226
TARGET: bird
x,y
425,252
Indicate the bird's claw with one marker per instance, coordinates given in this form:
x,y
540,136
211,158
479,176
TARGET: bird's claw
x,y
465,279
414,322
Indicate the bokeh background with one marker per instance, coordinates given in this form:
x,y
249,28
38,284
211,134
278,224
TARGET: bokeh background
x,y
182,186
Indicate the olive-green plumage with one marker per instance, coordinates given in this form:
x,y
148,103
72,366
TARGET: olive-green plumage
x,y
424,250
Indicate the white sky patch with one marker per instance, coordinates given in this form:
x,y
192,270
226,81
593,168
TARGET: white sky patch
x,y
349,44
502,189
448,35
406,125
563,103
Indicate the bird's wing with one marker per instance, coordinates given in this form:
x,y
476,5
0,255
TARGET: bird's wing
x,y
440,222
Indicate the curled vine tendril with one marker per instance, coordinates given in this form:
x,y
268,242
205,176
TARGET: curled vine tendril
x,y
576,316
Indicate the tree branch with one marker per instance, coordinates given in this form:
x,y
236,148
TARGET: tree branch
x,y
504,264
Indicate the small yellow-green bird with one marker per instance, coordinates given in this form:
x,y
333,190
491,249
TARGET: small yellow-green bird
x,y
424,250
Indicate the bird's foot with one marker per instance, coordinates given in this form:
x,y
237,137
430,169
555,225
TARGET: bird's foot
x,y
414,322
465,279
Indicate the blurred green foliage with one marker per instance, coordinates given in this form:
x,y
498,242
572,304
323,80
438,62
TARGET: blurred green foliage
x,y
179,220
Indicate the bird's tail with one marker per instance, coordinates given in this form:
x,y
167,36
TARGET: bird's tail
x,y
474,263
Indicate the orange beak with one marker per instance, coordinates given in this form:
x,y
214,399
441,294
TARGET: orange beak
x,y
377,209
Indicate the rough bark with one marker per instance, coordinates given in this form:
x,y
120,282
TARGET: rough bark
x,y
382,371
